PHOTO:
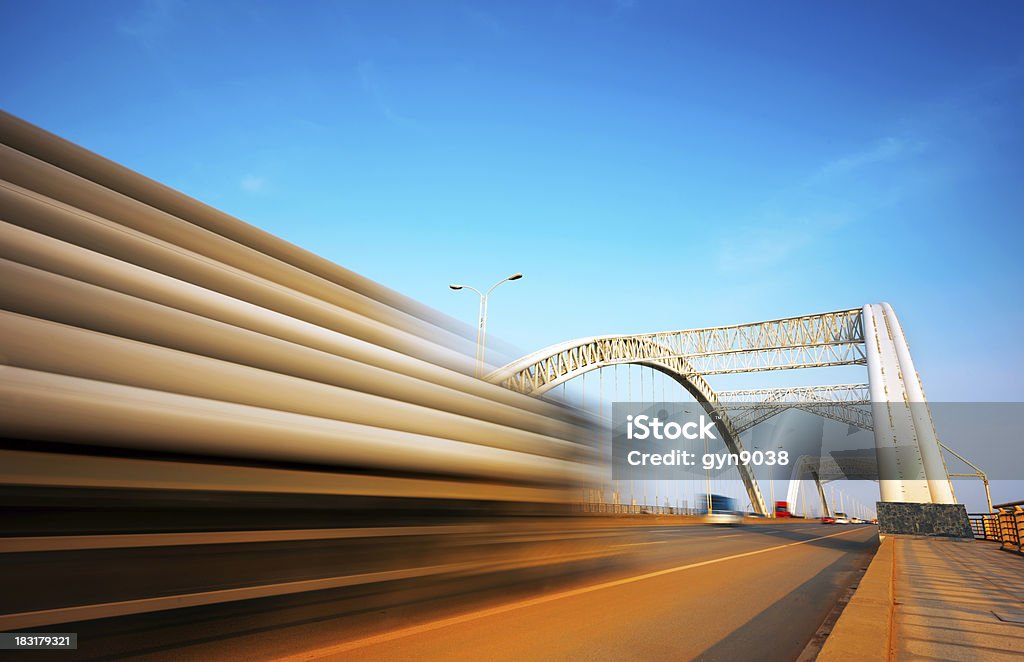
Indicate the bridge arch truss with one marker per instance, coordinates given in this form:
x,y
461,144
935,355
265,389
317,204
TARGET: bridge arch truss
x,y
870,336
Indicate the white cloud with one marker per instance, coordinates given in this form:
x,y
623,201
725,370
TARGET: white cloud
x,y
796,219
885,150
774,241
253,184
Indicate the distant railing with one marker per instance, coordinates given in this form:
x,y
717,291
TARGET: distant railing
x,y
1005,526
632,509
603,508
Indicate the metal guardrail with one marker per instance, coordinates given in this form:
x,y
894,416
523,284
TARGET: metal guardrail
x,y
632,509
1005,526
985,526
602,508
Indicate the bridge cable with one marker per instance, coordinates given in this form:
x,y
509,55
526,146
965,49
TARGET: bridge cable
x,y
600,429
640,369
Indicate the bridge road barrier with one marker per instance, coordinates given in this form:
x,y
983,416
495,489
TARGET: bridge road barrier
x,y
985,526
1005,526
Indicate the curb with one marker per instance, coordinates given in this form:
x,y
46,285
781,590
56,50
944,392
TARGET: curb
x,y
864,630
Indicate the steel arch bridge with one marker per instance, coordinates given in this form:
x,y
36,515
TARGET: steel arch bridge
x,y
906,443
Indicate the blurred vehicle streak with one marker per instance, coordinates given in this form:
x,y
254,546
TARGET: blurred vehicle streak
x,y
194,412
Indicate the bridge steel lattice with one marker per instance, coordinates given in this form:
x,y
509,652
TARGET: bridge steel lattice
x,y
644,350
907,446
844,403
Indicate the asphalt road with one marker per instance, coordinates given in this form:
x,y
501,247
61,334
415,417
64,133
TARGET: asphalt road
x,y
694,592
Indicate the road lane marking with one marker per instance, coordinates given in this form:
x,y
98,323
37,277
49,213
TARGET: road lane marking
x,y
637,544
530,602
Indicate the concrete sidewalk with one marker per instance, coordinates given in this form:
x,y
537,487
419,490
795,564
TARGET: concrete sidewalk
x,y
927,598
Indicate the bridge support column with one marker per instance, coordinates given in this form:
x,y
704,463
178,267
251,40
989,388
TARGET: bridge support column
x,y
927,440
825,510
946,520
910,464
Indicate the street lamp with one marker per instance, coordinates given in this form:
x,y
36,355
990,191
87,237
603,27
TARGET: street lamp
x,y
481,330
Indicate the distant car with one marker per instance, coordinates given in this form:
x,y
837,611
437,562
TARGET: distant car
x,y
723,510
828,520
725,518
842,518
856,520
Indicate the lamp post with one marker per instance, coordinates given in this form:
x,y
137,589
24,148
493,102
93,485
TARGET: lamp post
x,y
481,330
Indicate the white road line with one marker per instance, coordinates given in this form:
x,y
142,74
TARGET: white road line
x,y
493,611
637,544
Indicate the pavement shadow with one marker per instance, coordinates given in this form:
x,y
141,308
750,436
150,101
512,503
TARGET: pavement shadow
x,y
783,630
846,543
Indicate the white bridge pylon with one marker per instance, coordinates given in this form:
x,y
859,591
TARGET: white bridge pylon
x,y
907,446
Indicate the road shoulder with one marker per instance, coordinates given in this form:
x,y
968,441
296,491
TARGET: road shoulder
x,y
864,630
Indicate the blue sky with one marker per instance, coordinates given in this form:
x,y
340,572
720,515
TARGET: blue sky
x,y
648,166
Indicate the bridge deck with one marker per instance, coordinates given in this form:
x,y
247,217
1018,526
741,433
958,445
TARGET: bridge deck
x,y
942,599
